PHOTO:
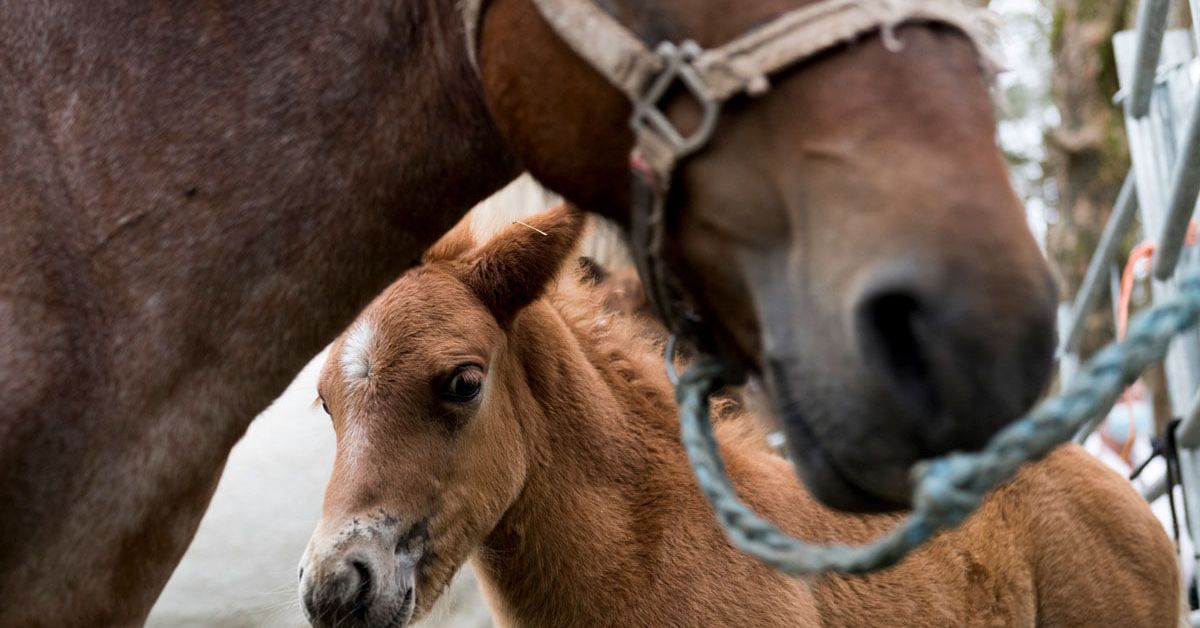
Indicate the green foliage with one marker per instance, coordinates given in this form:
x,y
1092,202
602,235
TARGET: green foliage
x,y
1056,29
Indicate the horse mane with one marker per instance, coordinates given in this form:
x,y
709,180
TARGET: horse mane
x,y
617,344
613,342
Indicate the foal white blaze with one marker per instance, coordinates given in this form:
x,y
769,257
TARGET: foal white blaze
x,y
356,350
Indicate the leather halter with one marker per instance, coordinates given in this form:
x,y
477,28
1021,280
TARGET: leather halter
x,y
711,77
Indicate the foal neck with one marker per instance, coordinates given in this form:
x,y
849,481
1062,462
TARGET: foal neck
x,y
610,528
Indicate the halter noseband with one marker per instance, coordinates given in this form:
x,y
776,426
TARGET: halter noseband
x,y
710,77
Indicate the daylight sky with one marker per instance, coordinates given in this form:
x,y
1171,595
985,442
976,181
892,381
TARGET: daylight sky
x,y
1025,106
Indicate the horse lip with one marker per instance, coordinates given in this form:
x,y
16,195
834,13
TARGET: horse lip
x,y
835,486
403,615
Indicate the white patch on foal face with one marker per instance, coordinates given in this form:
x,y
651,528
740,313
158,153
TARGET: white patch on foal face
x,y
356,351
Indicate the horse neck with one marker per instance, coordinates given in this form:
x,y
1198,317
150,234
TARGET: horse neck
x,y
603,397
216,169
608,490
583,456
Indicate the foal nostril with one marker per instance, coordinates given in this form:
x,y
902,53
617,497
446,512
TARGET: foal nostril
x,y
366,584
892,329
346,592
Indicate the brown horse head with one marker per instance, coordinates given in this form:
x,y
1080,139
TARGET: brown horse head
x,y
426,465
850,237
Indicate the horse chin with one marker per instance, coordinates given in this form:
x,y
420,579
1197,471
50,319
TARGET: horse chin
x,y
405,616
435,576
847,487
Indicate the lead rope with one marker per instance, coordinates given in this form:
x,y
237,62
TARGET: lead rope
x,y
948,489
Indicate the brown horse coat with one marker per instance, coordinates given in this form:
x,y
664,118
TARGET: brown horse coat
x,y
196,197
566,482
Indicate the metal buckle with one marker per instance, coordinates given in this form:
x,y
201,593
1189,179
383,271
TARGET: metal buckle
x,y
677,66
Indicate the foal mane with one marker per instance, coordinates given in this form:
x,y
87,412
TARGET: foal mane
x,y
614,343
618,345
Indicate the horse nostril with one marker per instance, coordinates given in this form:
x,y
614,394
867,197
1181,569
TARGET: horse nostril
x,y
893,331
406,603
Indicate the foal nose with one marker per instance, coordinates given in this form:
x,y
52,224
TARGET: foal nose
x,y
952,356
362,573
345,590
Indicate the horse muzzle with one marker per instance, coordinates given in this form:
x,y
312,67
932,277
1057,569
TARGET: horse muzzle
x,y
834,469
917,368
953,364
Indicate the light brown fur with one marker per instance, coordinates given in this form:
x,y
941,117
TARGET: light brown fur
x,y
566,485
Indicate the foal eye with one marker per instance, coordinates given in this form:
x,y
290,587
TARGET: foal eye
x,y
464,385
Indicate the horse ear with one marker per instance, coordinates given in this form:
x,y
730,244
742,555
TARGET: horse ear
x,y
514,268
453,245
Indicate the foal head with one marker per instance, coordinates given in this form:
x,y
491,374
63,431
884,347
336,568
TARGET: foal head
x,y
430,448
850,237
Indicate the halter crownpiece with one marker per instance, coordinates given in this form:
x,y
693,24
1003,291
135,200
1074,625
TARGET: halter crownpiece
x,y
744,63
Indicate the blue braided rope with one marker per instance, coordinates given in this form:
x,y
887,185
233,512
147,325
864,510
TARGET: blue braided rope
x,y
948,489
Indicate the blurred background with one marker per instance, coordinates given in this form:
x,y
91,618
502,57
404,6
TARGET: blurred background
x,y
1066,142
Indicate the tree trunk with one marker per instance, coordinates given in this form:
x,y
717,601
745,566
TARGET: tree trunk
x,y
1087,153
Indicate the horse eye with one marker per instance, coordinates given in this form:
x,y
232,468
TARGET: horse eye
x,y
465,385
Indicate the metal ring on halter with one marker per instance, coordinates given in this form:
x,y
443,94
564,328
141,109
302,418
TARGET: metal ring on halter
x,y
669,359
677,67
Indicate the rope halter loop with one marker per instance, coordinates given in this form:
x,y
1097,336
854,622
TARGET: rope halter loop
x,y
950,488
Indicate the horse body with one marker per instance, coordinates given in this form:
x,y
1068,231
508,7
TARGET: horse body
x,y
194,191
561,475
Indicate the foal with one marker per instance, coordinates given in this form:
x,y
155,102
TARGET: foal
x,y
478,419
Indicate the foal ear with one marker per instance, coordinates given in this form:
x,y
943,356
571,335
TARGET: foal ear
x,y
514,268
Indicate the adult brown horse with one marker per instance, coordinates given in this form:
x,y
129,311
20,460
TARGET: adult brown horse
x,y
199,195
850,237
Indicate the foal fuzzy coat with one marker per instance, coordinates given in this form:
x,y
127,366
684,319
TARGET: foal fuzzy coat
x,y
606,526
614,531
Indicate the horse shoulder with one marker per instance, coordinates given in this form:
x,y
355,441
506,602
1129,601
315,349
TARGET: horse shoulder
x,y
968,577
1097,552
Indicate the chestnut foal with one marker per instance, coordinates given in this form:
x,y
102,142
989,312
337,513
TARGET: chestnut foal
x,y
478,419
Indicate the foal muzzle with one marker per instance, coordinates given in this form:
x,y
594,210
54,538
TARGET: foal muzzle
x,y
361,580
